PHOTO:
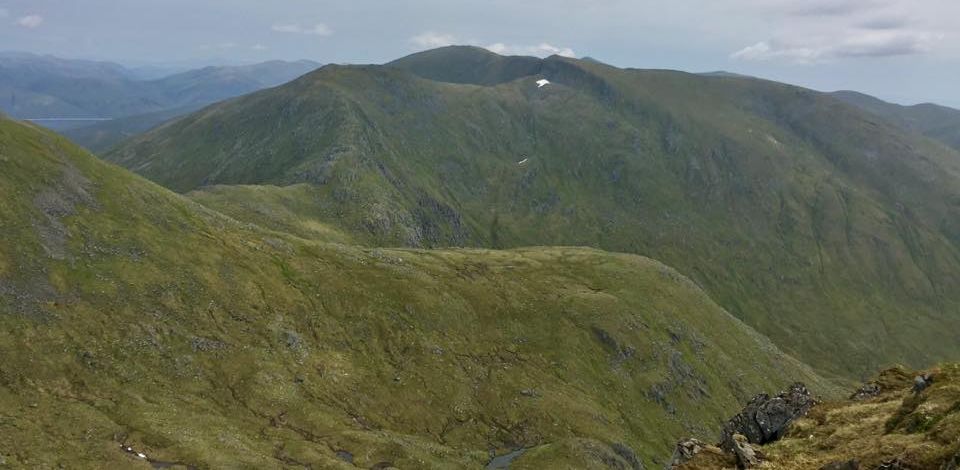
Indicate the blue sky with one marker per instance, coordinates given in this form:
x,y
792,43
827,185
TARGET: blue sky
x,y
901,50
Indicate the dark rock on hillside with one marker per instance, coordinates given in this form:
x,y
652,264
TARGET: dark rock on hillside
x,y
619,353
919,433
628,455
345,456
895,464
765,419
866,391
921,382
892,379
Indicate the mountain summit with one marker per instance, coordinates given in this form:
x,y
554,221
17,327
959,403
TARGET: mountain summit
x,y
831,231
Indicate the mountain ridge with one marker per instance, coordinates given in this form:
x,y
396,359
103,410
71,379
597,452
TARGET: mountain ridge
x,y
941,123
135,321
782,202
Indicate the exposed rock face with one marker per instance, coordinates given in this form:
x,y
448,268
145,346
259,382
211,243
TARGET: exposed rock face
x,y
747,457
628,455
866,391
685,451
918,409
765,418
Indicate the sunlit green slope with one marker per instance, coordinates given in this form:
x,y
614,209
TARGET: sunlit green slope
x,y
827,229
132,316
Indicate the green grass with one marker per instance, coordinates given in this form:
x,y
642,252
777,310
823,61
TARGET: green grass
x,y
924,434
824,228
130,314
296,210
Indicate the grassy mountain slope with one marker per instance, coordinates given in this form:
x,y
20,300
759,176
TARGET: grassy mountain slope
x,y
830,231
210,84
896,429
297,209
103,136
934,121
471,65
132,315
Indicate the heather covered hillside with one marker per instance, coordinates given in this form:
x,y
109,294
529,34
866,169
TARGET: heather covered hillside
x,y
132,317
830,230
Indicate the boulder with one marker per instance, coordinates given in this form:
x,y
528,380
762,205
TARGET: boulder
x,y
921,382
765,419
685,451
747,457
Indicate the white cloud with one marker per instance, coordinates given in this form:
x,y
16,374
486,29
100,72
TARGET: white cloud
x,y
861,43
539,50
432,40
318,29
812,31
30,21
259,47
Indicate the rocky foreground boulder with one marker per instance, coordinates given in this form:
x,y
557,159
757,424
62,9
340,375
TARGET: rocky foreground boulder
x,y
765,419
889,423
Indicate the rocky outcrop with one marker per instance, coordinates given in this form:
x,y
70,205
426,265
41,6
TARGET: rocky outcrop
x,y
746,456
889,380
921,382
765,419
910,422
866,391
705,455
628,455
685,451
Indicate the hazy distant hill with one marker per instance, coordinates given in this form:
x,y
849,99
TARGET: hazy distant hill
x,y
938,122
190,91
834,233
33,87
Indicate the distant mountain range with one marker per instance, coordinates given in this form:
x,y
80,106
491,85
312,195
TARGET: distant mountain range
x,y
46,87
932,120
